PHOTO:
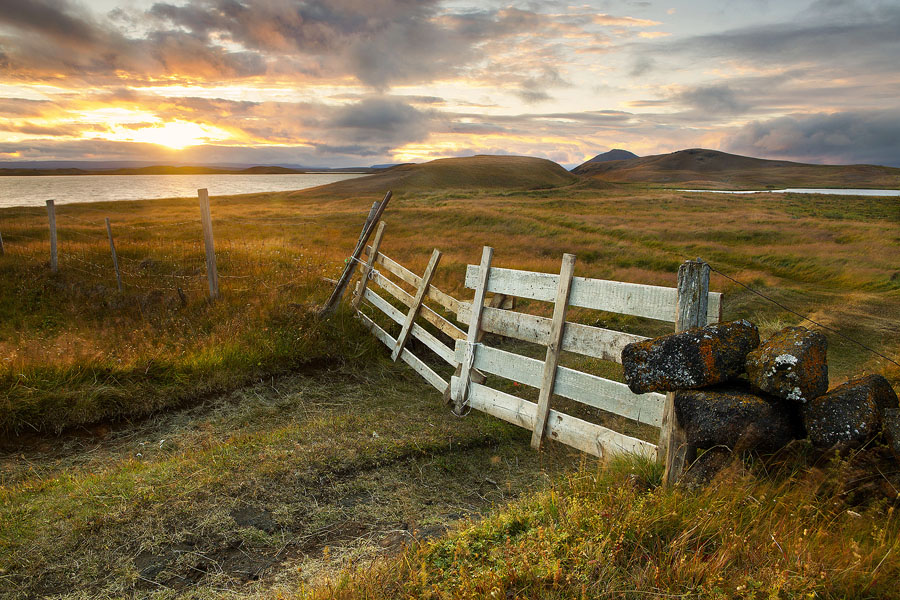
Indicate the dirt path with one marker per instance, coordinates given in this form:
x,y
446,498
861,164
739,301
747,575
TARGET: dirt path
x,y
272,487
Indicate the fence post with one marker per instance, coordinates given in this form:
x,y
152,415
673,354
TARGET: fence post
x,y
553,346
112,249
465,371
51,214
1,245
350,267
205,217
417,303
693,302
370,263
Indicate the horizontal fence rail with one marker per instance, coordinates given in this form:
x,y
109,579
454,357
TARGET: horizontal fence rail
x,y
473,359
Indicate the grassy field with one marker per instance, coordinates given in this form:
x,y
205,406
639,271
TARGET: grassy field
x,y
222,446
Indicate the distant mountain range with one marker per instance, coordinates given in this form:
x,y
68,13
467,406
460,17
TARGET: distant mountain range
x,y
87,168
702,168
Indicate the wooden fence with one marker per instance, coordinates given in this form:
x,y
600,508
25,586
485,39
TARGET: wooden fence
x,y
690,304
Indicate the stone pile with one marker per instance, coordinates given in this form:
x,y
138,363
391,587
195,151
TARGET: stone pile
x,y
733,391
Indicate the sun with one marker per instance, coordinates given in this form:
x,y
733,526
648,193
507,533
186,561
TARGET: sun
x,y
176,135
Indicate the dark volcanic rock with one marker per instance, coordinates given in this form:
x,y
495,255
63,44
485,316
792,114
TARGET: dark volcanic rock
x,y
890,428
705,468
733,416
850,413
691,359
791,365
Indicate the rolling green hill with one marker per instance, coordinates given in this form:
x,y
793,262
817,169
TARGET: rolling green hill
x,y
712,169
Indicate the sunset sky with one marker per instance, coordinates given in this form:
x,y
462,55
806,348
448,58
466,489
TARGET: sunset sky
x,y
360,82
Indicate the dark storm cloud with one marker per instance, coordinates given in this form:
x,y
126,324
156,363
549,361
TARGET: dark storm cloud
x,y
833,35
846,137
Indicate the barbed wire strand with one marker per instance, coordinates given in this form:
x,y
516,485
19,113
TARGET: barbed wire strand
x,y
805,318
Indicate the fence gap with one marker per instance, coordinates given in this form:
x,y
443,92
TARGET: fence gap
x,y
691,311
51,215
553,347
115,259
211,272
417,303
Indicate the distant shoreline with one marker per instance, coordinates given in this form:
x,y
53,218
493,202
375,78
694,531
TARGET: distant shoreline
x,y
167,170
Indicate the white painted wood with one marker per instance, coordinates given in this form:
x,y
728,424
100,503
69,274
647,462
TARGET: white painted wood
x,y
370,262
427,313
481,284
651,301
605,394
445,300
417,303
605,344
551,361
408,357
418,331
577,433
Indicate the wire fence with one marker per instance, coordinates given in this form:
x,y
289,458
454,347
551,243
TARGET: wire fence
x,y
252,253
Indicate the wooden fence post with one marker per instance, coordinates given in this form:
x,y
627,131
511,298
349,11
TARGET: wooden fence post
x,y
205,217
417,303
693,302
112,249
1,245
370,263
465,372
553,346
350,267
51,214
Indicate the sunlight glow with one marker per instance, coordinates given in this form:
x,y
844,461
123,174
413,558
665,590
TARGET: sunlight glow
x,y
175,134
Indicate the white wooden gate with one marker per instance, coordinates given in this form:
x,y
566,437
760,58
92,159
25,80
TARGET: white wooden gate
x,y
691,304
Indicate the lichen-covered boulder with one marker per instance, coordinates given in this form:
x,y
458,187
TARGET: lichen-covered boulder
x,y
849,414
890,429
791,365
694,358
733,416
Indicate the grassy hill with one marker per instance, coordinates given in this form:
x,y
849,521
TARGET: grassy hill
x,y
712,169
468,173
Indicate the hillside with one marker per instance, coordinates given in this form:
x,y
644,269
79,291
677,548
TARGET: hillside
x,y
699,167
614,154
467,173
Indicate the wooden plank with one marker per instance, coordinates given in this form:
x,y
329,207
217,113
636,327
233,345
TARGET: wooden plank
x,y
447,301
427,313
364,274
571,431
591,390
459,399
115,259
408,357
212,273
344,280
418,331
417,303
51,217
651,301
551,361
693,300
596,342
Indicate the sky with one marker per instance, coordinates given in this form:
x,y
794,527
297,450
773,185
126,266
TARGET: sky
x,y
362,82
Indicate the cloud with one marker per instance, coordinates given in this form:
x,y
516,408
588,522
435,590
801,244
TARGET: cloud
x,y
871,137
716,99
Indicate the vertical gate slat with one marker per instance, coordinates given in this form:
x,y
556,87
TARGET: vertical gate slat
x,y
417,303
465,371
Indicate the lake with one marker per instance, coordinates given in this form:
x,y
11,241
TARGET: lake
x,y
70,189
829,191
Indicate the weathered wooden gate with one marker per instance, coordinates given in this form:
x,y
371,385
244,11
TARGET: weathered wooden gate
x,y
689,305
